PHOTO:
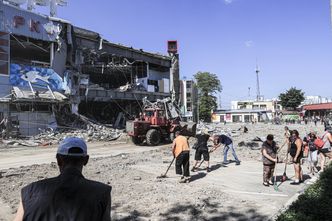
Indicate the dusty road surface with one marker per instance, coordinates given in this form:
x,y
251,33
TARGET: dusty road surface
x,y
226,193
24,156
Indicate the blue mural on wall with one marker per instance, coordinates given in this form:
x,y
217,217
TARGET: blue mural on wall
x,y
21,75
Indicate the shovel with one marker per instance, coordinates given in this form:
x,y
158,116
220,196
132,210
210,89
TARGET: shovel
x,y
200,164
164,175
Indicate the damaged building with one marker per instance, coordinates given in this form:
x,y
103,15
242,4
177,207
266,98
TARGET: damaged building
x,y
50,68
30,89
115,78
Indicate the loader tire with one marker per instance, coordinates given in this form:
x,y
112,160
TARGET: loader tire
x,y
137,140
153,137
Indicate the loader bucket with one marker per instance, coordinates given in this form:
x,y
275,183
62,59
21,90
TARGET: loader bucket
x,y
188,128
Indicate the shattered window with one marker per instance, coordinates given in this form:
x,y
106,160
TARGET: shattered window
x,y
149,113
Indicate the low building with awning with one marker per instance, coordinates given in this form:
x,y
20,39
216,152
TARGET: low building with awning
x,y
317,110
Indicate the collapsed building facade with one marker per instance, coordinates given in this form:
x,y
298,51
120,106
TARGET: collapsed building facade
x,y
50,68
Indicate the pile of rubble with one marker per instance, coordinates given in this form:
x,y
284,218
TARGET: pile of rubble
x,y
98,133
79,126
68,126
218,128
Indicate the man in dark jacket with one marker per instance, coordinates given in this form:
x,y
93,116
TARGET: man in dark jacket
x,y
269,153
68,196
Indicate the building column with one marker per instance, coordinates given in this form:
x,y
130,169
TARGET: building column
x,y
175,78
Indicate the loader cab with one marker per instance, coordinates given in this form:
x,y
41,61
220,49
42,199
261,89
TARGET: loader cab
x,y
155,117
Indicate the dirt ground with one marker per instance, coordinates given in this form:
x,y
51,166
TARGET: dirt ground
x,y
226,193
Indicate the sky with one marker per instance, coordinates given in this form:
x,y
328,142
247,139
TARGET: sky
x,y
291,40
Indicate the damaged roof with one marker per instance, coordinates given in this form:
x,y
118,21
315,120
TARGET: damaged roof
x,y
94,36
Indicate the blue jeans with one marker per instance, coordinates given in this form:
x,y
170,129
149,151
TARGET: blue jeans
x,y
226,148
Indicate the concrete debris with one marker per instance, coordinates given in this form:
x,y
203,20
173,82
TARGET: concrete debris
x,y
172,110
46,95
251,145
14,175
93,133
26,143
217,129
258,139
79,126
131,87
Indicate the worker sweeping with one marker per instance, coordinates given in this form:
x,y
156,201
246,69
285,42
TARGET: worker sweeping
x,y
202,149
218,140
180,150
269,154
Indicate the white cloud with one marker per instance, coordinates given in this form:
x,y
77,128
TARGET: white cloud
x,y
249,44
227,2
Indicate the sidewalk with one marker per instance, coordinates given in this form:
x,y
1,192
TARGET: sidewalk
x,y
244,184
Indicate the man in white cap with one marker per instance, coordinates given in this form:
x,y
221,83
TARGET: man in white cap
x,y
202,149
68,196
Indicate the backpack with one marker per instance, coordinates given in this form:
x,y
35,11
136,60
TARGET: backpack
x,y
319,143
311,145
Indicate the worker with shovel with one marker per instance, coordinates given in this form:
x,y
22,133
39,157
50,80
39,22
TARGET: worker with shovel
x,y
180,150
269,153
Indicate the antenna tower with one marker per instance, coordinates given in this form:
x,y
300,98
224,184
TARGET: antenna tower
x,y
257,83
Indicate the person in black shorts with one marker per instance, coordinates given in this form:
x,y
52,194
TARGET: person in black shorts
x,y
202,149
295,150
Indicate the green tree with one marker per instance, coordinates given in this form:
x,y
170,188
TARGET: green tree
x,y
292,98
208,84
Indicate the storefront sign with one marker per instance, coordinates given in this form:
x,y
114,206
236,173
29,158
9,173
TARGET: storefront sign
x,y
29,24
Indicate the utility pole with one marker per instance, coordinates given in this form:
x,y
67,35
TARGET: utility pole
x,y
257,83
198,110
219,101
331,11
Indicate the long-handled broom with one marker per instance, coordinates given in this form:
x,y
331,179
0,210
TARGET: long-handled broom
x,y
284,176
275,186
